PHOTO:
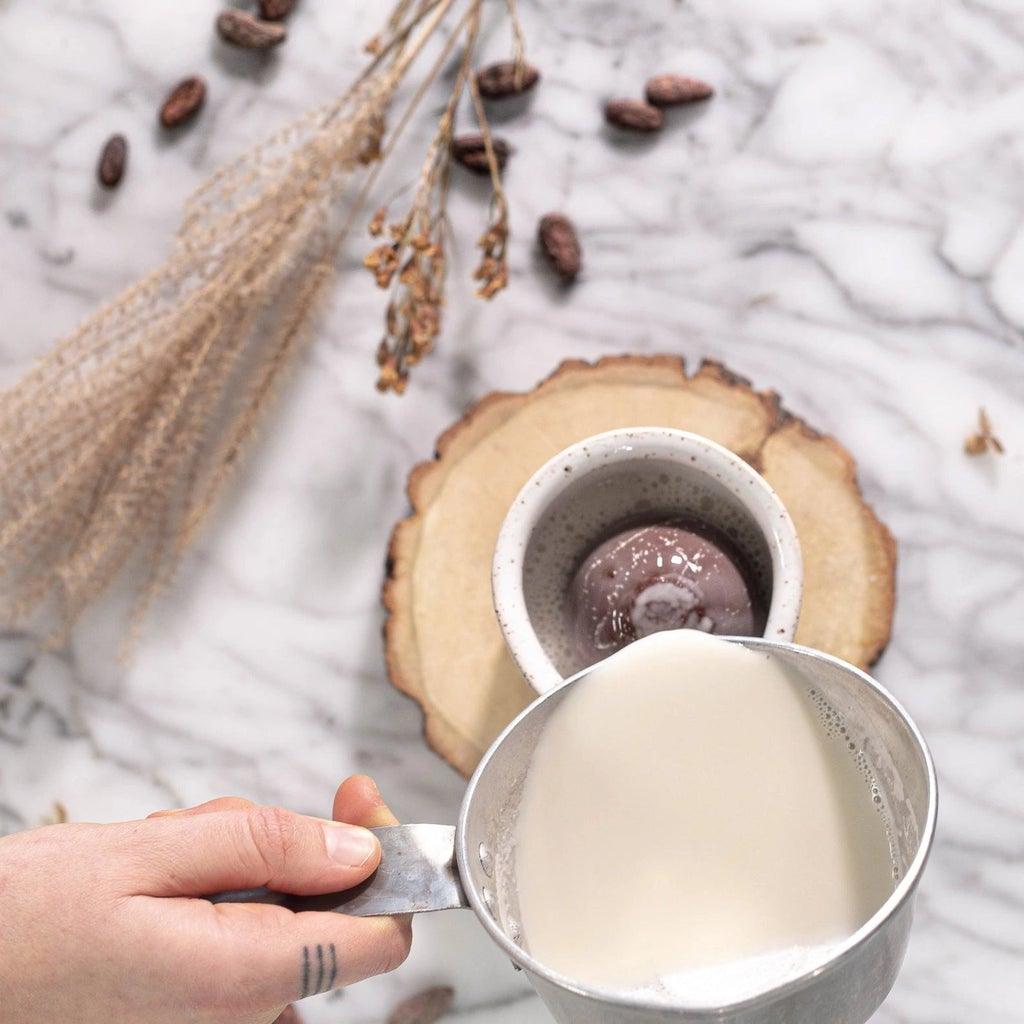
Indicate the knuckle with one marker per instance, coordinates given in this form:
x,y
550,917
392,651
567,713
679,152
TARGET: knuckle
x,y
396,946
275,836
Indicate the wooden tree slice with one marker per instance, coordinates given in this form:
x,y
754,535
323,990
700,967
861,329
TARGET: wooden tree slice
x,y
444,647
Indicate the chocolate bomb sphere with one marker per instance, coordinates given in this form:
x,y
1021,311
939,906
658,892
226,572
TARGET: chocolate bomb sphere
x,y
651,578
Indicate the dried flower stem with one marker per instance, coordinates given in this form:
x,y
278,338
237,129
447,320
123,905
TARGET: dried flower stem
x,y
492,271
413,264
518,43
118,443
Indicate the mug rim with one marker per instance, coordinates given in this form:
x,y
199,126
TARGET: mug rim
x,y
902,894
556,476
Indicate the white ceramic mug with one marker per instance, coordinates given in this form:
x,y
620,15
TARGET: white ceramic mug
x,y
573,502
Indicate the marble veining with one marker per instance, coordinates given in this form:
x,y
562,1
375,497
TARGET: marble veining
x,y
844,223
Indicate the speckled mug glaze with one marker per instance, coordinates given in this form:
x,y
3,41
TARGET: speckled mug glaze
x,y
570,503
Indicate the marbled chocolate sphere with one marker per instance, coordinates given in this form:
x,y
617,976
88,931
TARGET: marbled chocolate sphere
x,y
651,578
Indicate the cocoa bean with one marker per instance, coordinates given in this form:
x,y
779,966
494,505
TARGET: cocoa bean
x,y
561,245
499,81
469,150
251,33
674,90
276,10
113,161
634,115
425,1007
184,102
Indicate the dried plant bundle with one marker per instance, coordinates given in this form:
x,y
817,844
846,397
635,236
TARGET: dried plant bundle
x,y
117,444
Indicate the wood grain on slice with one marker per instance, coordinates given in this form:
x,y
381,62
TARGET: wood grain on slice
x,y
444,646
849,554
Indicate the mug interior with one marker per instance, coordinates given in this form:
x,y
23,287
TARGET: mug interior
x,y
884,742
607,495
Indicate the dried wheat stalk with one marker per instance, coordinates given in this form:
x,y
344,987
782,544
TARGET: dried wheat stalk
x,y
117,444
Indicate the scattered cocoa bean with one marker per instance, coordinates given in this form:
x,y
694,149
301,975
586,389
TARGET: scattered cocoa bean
x,y
246,30
425,1007
561,245
469,150
673,90
634,115
276,10
184,102
113,161
498,81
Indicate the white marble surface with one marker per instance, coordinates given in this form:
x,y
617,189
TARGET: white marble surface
x,y
843,223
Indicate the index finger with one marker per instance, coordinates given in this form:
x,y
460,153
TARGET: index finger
x,y
358,801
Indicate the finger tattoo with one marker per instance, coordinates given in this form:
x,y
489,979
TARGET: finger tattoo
x,y
319,969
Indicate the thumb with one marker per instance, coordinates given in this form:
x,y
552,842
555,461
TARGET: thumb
x,y
251,847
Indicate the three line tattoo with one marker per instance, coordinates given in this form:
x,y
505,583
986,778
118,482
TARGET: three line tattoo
x,y
319,969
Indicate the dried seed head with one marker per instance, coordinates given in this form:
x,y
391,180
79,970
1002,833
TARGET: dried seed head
x,y
494,285
506,78
391,377
370,151
376,225
382,262
673,90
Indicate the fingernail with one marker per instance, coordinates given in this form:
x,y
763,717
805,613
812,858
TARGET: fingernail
x,y
349,844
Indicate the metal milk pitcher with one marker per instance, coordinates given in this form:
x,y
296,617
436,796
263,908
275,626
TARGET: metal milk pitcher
x,y
435,867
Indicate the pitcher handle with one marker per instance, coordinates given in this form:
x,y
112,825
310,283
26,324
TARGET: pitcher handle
x,y
417,874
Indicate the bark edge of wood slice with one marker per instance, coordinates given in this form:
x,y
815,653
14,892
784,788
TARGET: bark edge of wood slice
x,y
443,645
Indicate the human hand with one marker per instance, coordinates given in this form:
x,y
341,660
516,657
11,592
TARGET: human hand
x,y
101,923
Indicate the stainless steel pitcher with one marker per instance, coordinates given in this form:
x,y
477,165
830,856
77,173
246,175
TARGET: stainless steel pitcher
x,y
435,867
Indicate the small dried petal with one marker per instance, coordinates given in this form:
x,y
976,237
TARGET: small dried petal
x,y
382,351
984,440
376,225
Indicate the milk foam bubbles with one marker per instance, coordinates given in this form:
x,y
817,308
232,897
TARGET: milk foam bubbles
x,y
689,827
